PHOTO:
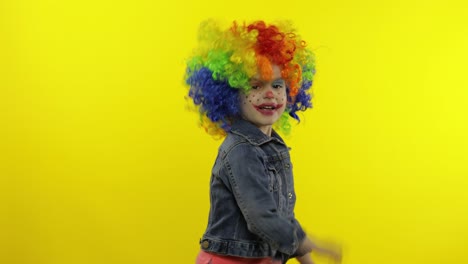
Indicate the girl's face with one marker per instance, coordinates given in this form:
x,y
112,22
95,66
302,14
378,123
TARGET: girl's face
x,y
264,104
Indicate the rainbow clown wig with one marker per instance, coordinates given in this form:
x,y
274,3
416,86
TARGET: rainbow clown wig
x,y
226,60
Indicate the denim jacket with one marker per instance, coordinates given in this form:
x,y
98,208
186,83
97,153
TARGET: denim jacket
x,y
252,197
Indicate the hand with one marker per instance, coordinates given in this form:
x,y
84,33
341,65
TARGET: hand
x,y
328,249
305,247
306,259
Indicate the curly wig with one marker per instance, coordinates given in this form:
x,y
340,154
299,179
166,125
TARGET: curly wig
x,y
225,61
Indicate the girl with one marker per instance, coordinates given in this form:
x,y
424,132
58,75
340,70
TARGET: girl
x,y
245,80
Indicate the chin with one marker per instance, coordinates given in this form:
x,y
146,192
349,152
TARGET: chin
x,y
267,123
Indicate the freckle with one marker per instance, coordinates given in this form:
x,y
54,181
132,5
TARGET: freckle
x,y
250,101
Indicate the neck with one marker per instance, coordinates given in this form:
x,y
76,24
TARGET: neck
x,y
266,130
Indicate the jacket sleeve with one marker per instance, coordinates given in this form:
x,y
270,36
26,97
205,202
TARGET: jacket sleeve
x,y
301,235
249,181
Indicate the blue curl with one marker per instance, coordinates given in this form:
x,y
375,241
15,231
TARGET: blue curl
x,y
302,100
216,98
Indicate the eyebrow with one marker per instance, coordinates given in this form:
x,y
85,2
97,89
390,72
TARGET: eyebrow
x,y
279,80
275,80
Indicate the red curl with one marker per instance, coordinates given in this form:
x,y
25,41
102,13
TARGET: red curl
x,y
276,47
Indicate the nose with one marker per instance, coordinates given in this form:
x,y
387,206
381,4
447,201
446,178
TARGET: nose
x,y
269,94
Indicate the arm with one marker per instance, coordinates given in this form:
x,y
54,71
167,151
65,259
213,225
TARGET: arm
x,y
249,181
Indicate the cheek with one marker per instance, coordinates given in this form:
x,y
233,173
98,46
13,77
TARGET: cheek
x,y
252,98
245,99
255,98
281,96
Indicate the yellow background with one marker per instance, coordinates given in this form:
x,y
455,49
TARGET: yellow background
x,y
101,163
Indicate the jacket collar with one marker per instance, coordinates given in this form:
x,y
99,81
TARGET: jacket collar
x,y
252,133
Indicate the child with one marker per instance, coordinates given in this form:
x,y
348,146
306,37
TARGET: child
x,y
245,80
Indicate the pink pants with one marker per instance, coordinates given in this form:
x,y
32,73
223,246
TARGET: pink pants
x,y
210,258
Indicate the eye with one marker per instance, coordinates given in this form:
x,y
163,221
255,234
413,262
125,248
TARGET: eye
x,y
278,85
255,85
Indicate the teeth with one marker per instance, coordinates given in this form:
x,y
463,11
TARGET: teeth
x,y
267,107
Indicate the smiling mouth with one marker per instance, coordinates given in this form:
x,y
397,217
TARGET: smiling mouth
x,y
268,109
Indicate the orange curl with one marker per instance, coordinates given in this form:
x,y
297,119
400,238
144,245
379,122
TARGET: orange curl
x,y
292,73
265,67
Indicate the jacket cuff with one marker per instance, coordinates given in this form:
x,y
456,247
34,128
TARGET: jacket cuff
x,y
301,235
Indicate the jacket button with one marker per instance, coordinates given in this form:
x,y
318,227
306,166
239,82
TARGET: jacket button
x,y
290,195
205,244
287,165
